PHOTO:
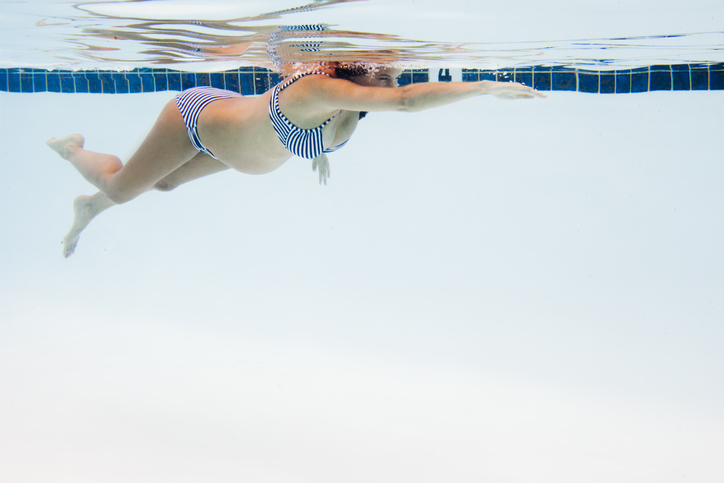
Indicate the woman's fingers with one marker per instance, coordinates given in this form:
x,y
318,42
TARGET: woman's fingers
x,y
321,165
514,90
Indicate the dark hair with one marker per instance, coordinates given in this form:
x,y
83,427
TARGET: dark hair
x,y
350,71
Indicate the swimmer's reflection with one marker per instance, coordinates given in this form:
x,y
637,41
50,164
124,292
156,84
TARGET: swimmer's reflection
x,y
206,130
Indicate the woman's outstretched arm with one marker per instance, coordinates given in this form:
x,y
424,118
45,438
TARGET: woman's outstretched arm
x,y
341,94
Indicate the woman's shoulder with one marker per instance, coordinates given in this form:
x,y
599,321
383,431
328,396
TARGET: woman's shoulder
x,y
306,78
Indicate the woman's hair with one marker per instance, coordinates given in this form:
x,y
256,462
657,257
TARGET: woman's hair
x,y
350,70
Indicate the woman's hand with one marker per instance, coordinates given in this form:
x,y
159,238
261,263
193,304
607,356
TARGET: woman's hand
x,y
510,90
321,164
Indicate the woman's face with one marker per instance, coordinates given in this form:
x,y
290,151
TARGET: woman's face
x,y
382,77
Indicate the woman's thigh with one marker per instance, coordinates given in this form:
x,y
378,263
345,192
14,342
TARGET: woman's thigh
x,y
197,167
166,148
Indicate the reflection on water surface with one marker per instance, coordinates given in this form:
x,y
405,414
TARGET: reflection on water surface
x,y
221,35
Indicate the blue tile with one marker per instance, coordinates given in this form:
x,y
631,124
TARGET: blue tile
x,y
80,82
108,85
681,78
246,80
563,81
542,80
639,81
680,68
504,75
716,78
420,76
202,79
53,82
607,83
134,82
251,81
588,82
121,83
443,75
261,82
699,78
231,81
217,80
14,81
623,82
3,80
524,77
660,79
26,81
67,83
160,80
405,79
174,81
148,83
188,80
40,82
471,75
94,82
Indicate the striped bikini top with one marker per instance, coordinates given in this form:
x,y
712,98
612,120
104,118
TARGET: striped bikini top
x,y
305,143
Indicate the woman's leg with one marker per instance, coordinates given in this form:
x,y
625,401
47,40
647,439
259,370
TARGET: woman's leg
x,y
165,149
199,166
85,208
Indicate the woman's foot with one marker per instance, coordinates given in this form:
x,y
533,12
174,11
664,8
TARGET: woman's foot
x,y
85,208
64,146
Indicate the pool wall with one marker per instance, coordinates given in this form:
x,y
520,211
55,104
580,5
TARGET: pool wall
x,y
488,291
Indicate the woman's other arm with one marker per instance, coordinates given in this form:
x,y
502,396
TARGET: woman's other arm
x,y
340,94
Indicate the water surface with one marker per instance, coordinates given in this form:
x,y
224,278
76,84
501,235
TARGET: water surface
x,y
222,34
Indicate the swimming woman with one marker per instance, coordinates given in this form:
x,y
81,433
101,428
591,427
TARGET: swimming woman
x,y
206,130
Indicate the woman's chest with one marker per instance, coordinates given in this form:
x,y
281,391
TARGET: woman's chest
x,y
342,128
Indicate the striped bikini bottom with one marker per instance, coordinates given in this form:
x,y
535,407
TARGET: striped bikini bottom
x,y
191,102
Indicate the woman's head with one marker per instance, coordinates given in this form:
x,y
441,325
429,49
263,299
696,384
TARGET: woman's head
x,y
370,75
361,73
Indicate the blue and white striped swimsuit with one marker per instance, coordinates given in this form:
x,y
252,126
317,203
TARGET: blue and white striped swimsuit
x,y
305,143
191,102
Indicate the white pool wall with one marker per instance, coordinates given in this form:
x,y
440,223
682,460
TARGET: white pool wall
x,y
491,291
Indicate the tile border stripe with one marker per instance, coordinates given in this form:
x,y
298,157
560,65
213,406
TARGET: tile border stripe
x,y
256,80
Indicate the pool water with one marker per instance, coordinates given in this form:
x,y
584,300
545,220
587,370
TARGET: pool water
x,y
497,291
